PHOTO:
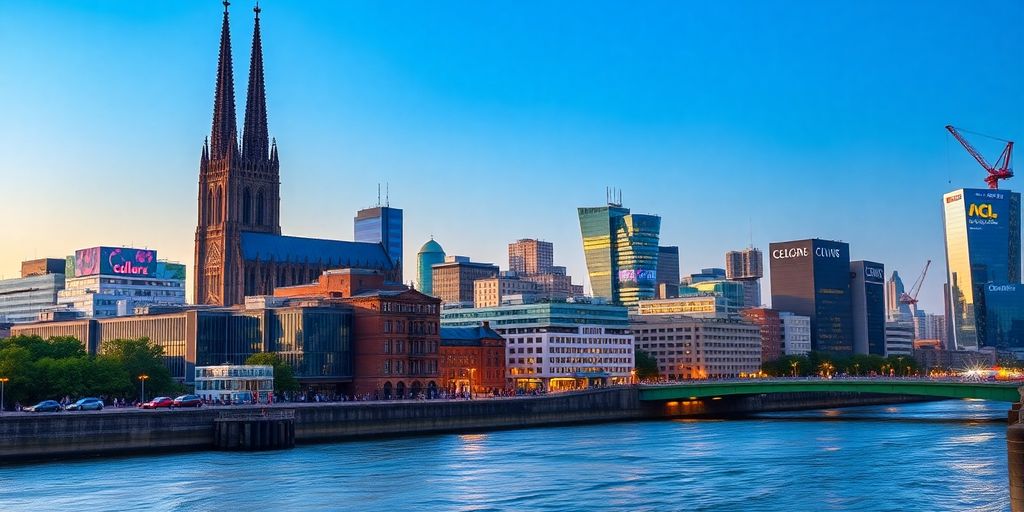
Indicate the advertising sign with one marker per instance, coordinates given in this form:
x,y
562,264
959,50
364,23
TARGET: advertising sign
x,y
985,208
636,275
118,261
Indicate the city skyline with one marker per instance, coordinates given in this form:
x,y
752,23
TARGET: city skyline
x,y
496,132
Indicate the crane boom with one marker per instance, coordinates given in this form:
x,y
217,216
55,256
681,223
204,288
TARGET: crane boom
x,y
1000,171
911,297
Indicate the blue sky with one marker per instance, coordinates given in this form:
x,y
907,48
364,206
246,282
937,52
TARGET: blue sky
x,y
493,121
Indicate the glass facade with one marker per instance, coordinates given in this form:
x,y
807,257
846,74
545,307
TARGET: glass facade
x,y
1004,317
867,290
21,299
381,225
622,253
982,231
430,254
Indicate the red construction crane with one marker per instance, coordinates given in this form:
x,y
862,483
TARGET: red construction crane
x,y
1001,170
911,298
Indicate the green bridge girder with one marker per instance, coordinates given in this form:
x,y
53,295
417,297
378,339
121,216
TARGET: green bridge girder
x,y
999,392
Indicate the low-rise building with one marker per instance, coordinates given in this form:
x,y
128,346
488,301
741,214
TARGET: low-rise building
x,y
558,346
472,358
452,281
492,291
899,339
932,356
704,304
699,348
23,298
770,323
235,383
796,334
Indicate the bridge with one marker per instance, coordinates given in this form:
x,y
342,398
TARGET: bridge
x,y
995,391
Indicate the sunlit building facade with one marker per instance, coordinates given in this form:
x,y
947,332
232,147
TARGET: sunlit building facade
x,y
622,253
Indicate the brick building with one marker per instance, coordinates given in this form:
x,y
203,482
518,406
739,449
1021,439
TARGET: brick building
x,y
453,279
770,323
472,357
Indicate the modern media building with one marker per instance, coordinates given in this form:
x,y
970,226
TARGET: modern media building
x,y
812,278
112,281
982,231
867,291
622,253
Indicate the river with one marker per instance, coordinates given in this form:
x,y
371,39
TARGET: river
x,y
933,456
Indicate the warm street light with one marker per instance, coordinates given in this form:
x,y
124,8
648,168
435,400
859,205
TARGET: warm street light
x,y
3,380
142,379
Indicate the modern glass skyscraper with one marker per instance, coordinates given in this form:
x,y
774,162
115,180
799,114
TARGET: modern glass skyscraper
x,y
621,250
867,289
982,231
381,225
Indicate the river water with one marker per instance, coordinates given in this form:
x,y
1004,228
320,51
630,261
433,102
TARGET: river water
x,y
931,456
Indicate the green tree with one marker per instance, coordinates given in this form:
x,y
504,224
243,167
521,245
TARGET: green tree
x,y
140,357
284,374
646,365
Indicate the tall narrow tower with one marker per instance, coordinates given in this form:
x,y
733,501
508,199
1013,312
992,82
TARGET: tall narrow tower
x,y
239,188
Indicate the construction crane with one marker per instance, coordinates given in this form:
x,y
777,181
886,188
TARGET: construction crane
x,y
910,299
1001,170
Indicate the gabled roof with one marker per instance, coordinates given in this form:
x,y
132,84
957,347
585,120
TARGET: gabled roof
x,y
467,336
331,253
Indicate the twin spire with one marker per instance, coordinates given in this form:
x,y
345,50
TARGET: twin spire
x,y
224,135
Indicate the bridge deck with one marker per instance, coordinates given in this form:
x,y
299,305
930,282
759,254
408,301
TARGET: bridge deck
x,y
1000,392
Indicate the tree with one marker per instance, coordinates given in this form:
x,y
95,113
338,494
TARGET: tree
x,y
646,365
140,357
284,374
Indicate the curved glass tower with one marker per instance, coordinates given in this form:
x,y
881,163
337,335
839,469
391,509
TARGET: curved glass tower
x,y
621,250
430,254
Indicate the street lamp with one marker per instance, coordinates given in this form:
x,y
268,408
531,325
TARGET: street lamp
x,y
142,379
471,371
3,380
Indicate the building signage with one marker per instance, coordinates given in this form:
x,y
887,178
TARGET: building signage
x,y
828,252
954,198
792,252
637,275
118,261
1001,288
874,273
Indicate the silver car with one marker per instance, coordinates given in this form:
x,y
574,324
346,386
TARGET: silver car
x,y
86,404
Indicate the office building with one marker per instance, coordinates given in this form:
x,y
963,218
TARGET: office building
x,y
668,272
812,278
705,274
982,234
867,293
472,360
899,339
528,256
699,348
452,280
112,281
796,334
621,250
733,291
934,357
381,225
770,323
506,286
558,346
430,254
23,298
895,311
747,267
690,304
1004,318
928,326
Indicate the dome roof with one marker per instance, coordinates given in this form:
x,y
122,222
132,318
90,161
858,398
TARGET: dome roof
x,y
431,247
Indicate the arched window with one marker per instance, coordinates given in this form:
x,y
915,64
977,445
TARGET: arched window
x,y
259,208
218,206
208,208
246,206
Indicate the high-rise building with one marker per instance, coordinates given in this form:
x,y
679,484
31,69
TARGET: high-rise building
x,y
796,333
1004,318
894,309
23,298
982,232
867,292
430,254
812,278
747,267
621,250
699,348
452,280
668,272
928,326
528,256
381,225
239,250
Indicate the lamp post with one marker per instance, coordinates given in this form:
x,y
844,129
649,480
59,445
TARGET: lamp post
x,y
3,381
471,371
142,379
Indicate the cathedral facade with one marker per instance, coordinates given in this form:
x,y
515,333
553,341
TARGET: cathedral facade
x,y
239,247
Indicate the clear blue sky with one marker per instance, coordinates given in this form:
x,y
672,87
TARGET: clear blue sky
x,y
494,120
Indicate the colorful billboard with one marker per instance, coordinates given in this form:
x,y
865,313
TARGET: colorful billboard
x,y
116,261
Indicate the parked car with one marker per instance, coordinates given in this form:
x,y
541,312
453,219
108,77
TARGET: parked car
x,y
86,404
158,402
188,401
45,406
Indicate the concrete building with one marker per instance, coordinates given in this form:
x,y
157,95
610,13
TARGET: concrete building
x,y
453,279
867,293
770,323
812,278
796,334
696,305
495,291
113,281
668,272
473,360
747,267
621,249
558,346
528,256
899,339
699,348
23,298
430,254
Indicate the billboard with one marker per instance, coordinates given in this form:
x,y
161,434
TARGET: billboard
x,y
986,208
637,275
116,261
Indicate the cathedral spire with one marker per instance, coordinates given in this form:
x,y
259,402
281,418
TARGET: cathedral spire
x,y
222,137
255,145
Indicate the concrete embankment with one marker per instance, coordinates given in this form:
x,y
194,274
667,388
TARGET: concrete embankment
x,y
25,437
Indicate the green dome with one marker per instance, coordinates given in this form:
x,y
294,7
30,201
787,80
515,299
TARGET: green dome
x,y
431,247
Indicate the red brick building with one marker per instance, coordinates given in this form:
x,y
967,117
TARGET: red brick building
x,y
771,331
395,332
472,358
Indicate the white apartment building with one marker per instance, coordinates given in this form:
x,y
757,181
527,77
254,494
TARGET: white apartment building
x,y
796,334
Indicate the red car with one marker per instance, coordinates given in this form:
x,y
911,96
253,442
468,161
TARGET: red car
x,y
158,402
188,401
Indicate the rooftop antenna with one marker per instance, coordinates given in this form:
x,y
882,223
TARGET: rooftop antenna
x,y
387,194
378,194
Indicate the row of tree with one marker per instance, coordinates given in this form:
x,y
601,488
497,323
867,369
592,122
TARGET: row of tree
x,y
826,365
59,367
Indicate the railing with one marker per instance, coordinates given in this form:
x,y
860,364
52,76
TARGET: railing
x,y
264,414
